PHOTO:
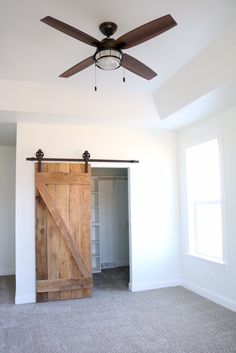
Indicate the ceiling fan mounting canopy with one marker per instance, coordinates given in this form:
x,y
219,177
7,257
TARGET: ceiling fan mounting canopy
x,y
109,52
108,28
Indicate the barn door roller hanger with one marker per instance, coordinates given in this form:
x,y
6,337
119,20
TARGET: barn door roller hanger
x,y
39,157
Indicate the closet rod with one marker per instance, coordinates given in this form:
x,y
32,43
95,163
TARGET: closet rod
x,y
39,157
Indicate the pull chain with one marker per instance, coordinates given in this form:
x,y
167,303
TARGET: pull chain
x,y
123,74
95,78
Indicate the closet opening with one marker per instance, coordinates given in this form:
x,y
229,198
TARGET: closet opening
x,y
7,221
110,229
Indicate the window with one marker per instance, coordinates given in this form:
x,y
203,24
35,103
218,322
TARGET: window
x,y
204,201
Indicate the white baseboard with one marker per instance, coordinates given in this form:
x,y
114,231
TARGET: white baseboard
x,y
7,272
227,303
136,287
25,299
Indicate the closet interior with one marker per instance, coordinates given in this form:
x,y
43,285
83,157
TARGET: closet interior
x,y
110,227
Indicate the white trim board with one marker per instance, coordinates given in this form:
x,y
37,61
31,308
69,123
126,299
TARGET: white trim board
x,y
136,287
7,272
25,299
218,299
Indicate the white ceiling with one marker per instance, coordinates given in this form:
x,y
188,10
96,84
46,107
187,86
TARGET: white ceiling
x,y
34,52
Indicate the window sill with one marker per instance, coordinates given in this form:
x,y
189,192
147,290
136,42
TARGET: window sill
x,y
214,262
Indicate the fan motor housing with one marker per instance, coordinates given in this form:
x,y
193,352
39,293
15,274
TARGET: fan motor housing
x,y
107,43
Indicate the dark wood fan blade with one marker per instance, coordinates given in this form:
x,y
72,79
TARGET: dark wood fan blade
x,y
78,67
147,31
138,68
71,31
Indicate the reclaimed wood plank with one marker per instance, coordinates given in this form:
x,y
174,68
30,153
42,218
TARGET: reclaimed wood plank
x,y
85,226
63,191
41,239
62,228
63,284
65,270
63,178
53,243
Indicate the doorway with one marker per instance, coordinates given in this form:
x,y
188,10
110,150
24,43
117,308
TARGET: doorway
x,y
7,221
110,228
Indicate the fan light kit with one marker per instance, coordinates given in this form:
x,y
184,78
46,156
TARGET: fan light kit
x,y
108,59
109,52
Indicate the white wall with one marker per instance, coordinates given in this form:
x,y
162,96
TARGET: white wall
x,y
200,76
154,252
7,210
114,223
213,281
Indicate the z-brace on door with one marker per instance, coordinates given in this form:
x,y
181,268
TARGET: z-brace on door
x,y
63,243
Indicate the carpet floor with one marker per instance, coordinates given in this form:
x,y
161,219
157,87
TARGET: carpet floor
x,y
114,320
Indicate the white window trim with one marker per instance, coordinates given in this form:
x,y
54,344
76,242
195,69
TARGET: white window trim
x,y
224,263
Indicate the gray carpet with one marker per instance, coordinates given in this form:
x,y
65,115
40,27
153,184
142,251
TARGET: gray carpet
x,y
114,320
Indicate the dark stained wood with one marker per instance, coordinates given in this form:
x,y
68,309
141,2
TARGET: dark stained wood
x,y
145,32
78,67
137,67
70,31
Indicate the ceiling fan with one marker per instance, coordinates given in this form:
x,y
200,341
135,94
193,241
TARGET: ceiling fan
x,y
109,52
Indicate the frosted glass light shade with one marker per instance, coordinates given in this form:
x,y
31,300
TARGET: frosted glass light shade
x,y
108,59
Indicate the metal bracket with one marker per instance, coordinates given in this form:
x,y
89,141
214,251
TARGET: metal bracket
x,y
39,155
86,156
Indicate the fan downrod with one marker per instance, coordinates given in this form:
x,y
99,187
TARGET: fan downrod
x,y
108,28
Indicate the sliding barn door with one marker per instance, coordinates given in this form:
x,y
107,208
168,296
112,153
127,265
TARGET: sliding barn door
x,y
63,245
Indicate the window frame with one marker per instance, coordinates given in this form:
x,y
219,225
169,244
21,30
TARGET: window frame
x,y
185,215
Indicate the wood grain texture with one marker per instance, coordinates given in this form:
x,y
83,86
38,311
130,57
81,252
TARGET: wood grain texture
x,y
62,178
78,67
146,32
64,212
41,239
85,228
78,220
63,285
70,31
75,206
63,207
53,236
59,222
